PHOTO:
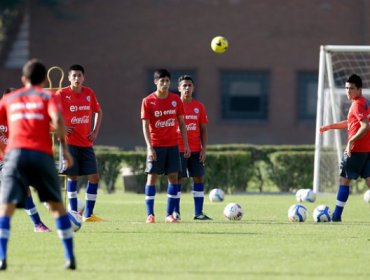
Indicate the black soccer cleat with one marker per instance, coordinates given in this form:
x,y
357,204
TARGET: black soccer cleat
x,y
3,264
70,264
202,217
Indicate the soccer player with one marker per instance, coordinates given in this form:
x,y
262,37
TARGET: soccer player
x,y
30,206
162,112
196,125
356,157
29,156
82,115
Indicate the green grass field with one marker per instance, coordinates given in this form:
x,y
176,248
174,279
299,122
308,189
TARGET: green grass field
x,y
264,245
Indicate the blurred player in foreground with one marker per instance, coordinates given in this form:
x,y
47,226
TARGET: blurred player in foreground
x,y
80,105
162,112
196,125
356,158
29,157
30,206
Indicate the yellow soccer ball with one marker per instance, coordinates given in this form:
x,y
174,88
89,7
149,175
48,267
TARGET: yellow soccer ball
x,y
219,44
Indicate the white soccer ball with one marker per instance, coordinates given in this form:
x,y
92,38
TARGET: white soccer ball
x,y
321,214
309,195
233,211
80,206
305,195
298,195
216,195
297,213
76,219
367,196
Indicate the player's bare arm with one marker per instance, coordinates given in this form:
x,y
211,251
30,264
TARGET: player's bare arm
x,y
338,125
184,136
97,122
203,139
150,150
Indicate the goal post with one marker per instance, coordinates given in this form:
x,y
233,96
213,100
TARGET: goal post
x,y
336,64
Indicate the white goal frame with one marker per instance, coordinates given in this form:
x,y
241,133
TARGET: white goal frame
x,y
326,70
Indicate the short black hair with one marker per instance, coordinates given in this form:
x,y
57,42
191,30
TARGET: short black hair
x,y
161,73
356,80
185,78
35,71
76,67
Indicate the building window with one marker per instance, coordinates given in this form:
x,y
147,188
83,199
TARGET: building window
x,y
175,74
307,95
245,94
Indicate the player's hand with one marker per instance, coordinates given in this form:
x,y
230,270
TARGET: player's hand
x,y
202,156
152,155
324,128
67,159
92,135
69,129
349,148
187,152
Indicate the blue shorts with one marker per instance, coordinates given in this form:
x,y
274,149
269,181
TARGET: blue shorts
x,y
358,165
192,166
168,161
24,168
84,161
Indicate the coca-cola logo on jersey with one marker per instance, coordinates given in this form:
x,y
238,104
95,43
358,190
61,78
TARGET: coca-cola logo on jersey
x,y
84,119
166,123
191,127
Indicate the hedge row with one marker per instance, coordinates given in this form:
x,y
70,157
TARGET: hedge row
x,y
234,168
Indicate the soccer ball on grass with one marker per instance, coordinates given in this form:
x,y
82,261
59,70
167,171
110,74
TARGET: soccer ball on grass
x,y
297,213
233,211
76,220
305,195
321,214
367,196
216,195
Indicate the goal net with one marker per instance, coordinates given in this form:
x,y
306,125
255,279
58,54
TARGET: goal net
x,y
336,64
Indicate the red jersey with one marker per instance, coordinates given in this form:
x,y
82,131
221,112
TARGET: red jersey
x,y
78,109
360,109
195,115
162,114
4,135
26,112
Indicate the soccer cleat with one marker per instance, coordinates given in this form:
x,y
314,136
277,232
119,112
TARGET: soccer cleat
x,y
202,217
336,219
150,219
41,228
3,264
93,219
170,219
177,216
70,264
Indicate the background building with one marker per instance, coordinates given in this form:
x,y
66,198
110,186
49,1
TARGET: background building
x,y
261,91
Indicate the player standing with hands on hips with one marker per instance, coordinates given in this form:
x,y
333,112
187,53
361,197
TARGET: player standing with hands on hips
x,y
356,157
196,125
162,112
80,105
29,160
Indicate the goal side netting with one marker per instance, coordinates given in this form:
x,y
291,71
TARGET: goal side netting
x,y
336,64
